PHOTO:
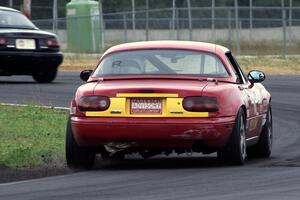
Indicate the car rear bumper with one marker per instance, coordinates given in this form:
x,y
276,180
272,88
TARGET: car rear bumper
x,y
24,62
149,132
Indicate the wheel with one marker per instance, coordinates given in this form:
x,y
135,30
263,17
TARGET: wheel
x,y
234,153
264,146
77,157
46,76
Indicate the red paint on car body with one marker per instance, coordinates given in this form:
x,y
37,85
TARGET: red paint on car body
x,y
171,132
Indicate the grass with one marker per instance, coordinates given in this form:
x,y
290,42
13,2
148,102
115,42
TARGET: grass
x,y
270,65
31,136
79,62
263,48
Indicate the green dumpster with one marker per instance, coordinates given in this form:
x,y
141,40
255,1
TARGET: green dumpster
x,y
83,26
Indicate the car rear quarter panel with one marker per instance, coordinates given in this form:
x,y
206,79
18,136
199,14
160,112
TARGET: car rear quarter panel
x,y
229,97
86,89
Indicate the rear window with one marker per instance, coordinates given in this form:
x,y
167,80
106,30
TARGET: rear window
x,y
161,62
10,19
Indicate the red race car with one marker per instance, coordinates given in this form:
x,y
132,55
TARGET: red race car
x,y
169,97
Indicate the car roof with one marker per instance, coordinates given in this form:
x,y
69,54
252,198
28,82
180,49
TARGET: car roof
x,y
8,9
169,44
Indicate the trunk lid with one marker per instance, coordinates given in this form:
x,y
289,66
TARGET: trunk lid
x,y
147,97
183,88
25,33
38,37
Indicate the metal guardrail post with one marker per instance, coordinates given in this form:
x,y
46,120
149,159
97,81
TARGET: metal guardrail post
x,y
213,21
125,27
103,34
102,26
284,50
54,22
11,3
290,19
173,16
237,29
283,12
177,23
190,20
133,15
229,28
147,20
250,18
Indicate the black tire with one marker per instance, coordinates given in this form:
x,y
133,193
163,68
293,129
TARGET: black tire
x,y
46,76
234,153
80,158
264,146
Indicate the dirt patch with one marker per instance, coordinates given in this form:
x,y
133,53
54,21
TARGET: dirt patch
x,y
18,174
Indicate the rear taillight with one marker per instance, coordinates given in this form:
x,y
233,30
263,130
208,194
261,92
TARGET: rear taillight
x,y
52,42
93,103
2,42
73,107
200,104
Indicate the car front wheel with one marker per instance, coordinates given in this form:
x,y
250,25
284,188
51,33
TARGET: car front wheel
x,y
77,157
234,153
46,76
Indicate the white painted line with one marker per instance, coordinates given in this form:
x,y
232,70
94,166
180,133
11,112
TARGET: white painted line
x,y
36,106
42,179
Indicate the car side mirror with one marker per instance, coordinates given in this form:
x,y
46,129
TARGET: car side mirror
x,y
85,75
256,76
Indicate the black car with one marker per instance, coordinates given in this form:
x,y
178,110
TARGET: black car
x,y
26,50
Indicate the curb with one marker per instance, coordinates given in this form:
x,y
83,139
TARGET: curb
x,y
36,106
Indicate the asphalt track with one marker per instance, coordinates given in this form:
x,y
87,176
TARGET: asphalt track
x,y
183,177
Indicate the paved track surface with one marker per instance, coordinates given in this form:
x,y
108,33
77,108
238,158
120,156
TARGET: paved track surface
x,y
184,177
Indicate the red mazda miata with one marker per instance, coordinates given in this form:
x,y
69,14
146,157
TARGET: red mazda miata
x,y
169,97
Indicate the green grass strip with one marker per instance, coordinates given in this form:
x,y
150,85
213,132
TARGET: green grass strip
x,y
32,136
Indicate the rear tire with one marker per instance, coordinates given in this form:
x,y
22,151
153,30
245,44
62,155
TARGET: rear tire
x,y
264,146
46,76
234,153
77,157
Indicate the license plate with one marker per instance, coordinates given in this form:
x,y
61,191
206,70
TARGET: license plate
x,y
146,106
25,44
